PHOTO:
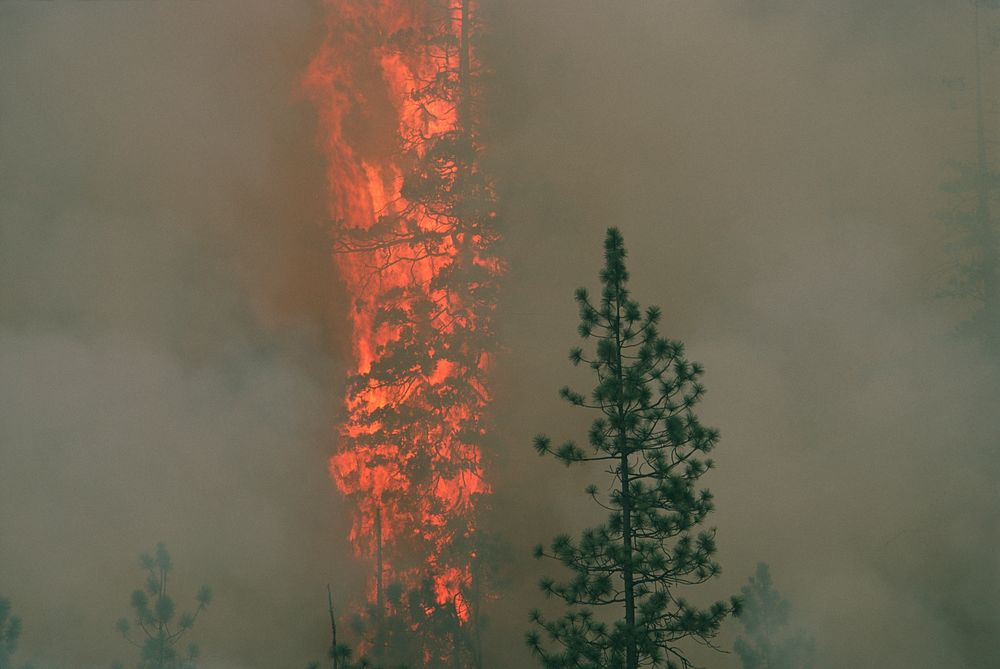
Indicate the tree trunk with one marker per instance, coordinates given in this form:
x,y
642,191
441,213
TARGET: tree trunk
x,y
379,647
631,653
464,56
333,629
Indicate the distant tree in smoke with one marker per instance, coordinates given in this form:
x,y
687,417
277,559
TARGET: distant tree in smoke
x,y
157,629
10,634
765,615
653,447
974,271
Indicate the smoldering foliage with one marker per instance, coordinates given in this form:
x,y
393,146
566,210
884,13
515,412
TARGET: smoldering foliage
x,y
171,331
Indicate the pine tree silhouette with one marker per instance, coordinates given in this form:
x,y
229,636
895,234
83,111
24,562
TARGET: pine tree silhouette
x,y
653,446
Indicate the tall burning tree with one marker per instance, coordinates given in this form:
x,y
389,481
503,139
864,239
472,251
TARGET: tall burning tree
x,y
395,82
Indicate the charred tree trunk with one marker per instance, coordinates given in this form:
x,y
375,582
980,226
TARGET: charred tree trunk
x,y
379,647
333,629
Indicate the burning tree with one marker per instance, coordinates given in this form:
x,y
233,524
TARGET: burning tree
x,y
396,84
653,445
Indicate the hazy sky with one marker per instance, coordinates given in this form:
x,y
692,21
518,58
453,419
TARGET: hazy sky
x,y
172,338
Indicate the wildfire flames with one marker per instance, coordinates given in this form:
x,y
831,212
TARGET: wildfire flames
x,y
395,83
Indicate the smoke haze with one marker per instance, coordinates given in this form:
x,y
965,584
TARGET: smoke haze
x,y
172,337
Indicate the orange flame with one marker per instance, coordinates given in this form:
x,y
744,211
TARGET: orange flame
x,y
394,83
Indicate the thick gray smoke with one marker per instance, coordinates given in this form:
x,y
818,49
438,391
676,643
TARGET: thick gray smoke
x,y
169,336
172,346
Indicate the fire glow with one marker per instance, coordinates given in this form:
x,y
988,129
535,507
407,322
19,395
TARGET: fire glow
x,y
395,87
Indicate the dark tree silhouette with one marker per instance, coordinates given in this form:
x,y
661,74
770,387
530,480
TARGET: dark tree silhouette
x,y
160,630
10,634
975,267
408,626
764,615
647,435
341,655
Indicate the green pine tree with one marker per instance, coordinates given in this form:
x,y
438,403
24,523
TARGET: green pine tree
x,y
653,447
764,614
155,616
10,633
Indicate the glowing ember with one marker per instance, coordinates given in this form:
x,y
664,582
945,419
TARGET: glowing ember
x,y
395,85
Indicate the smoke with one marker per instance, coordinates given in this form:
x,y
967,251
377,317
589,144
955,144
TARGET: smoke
x,y
171,327
169,334
774,168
